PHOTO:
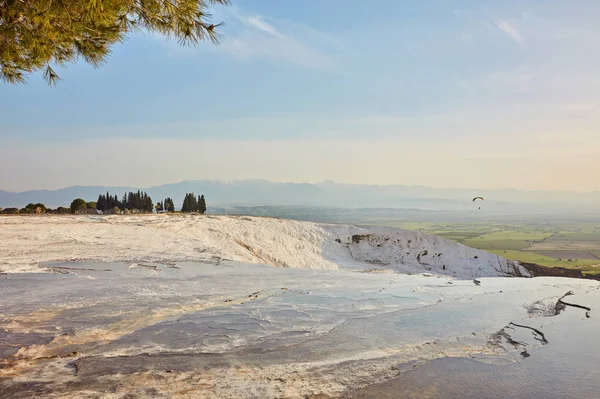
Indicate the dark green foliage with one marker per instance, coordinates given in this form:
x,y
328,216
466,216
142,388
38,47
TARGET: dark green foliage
x,y
92,205
168,205
190,204
101,203
193,204
78,205
34,208
202,205
107,202
62,210
37,33
135,202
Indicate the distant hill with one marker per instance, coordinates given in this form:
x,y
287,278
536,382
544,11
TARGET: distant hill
x,y
330,194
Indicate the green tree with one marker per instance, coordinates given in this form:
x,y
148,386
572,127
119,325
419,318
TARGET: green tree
x,y
40,208
185,206
202,205
190,204
169,205
77,205
37,33
101,203
193,203
91,205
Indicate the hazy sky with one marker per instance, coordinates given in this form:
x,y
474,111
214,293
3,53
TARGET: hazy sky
x,y
483,94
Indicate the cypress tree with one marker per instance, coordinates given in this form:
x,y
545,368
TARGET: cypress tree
x,y
101,203
184,206
190,204
202,205
149,204
194,202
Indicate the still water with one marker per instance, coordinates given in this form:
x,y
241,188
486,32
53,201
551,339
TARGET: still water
x,y
249,331
567,367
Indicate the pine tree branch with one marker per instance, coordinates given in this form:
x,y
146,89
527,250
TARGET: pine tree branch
x,y
37,33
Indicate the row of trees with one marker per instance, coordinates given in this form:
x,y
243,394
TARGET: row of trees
x,y
77,206
131,202
193,205
136,202
34,208
141,202
38,209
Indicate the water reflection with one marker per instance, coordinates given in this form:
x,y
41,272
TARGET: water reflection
x,y
568,367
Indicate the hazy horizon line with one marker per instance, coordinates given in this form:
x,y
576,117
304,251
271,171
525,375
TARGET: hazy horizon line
x,y
321,182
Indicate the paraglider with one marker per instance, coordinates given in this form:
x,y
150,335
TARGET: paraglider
x,y
478,198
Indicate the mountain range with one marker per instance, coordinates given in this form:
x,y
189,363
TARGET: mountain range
x,y
329,194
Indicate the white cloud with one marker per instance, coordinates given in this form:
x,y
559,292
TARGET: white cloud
x,y
259,23
252,38
510,30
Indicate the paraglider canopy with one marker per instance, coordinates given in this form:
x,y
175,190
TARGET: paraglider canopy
x,y
476,198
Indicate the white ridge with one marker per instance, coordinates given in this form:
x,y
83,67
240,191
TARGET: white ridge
x,y
27,241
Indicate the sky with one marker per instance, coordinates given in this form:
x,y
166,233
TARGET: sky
x,y
465,93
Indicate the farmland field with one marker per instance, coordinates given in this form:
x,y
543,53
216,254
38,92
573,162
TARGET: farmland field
x,y
533,257
569,249
561,254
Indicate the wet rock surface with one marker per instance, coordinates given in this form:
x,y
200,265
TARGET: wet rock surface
x,y
249,331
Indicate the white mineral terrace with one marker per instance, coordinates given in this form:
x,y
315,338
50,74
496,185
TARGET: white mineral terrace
x,y
235,307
